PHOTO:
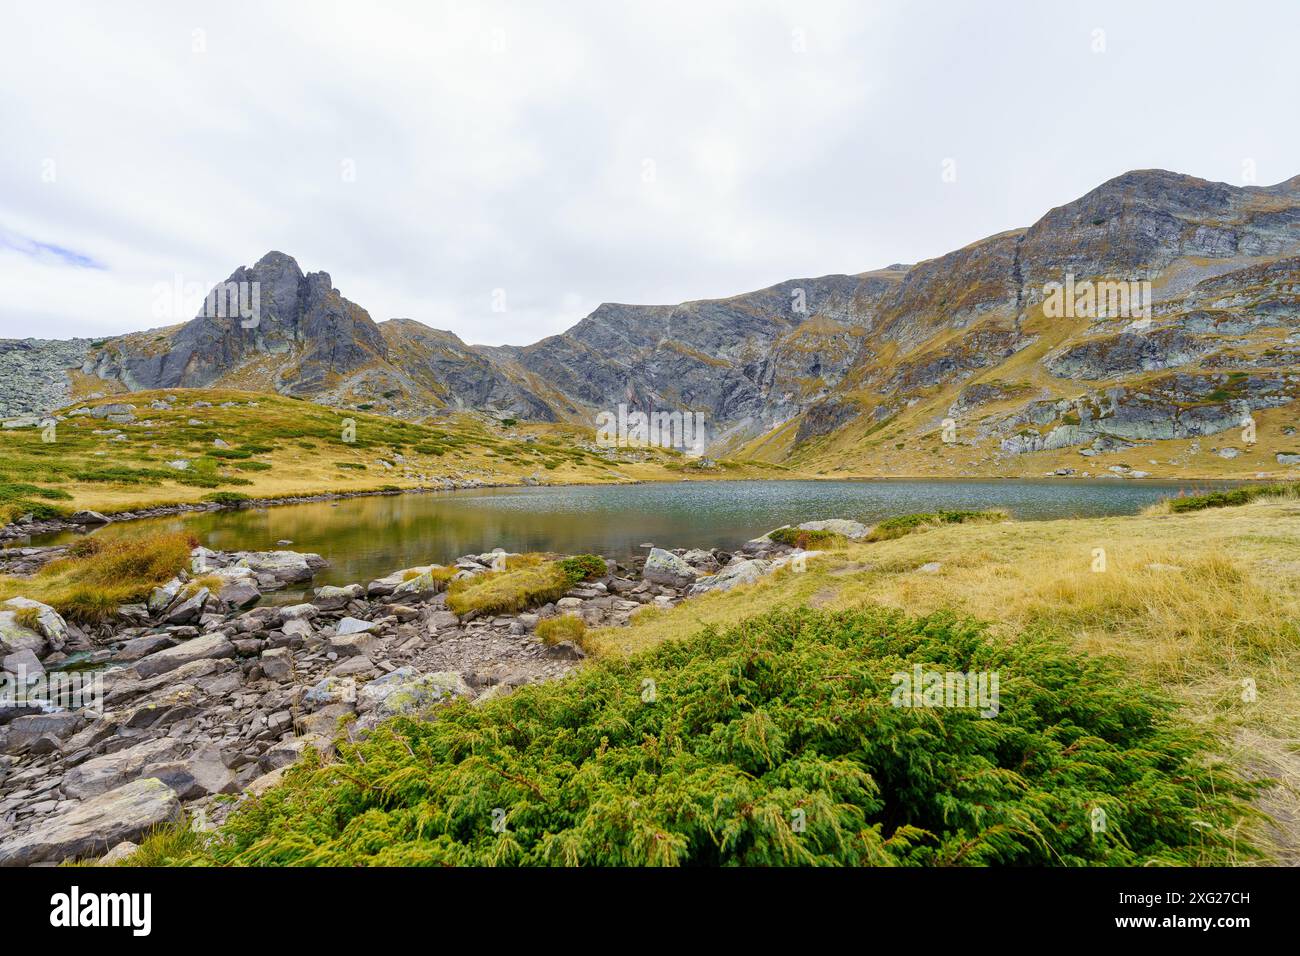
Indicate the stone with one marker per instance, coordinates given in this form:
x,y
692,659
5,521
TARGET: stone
x,y
358,666
406,691
330,598
49,623
108,771
25,663
210,646
22,732
202,774
187,609
88,518
119,853
287,567
91,827
664,567
352,625
161,597
295,612
564,651
143,646
16,637
331,690
277,664
743,572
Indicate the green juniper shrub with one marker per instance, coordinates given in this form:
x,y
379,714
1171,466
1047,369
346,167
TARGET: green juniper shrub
x,y
1232,497
584,567
784,717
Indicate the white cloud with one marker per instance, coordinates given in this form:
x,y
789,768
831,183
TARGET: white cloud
x,y
500,145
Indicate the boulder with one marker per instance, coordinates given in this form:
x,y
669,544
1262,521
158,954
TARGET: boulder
x,y
16,637
93,826
277,664
406,691
664,567
49,623
330,598
352,625
214,646
108,771
22,732
202,774
187,609
743,572
86,518
287,567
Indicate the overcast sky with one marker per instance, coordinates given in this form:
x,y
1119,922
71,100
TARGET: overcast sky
x,y
428,155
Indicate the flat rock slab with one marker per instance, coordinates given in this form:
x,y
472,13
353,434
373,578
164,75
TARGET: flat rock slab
x,y
197,649
94,826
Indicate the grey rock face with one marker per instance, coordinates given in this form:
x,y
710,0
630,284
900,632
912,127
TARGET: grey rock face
x,y
92,827
664,567
34,374
199,648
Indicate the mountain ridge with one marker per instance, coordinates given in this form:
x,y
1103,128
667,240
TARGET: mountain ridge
x,y
786,372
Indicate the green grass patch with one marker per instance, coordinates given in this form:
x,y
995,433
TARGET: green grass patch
x,y
563,627
794,538
896,527
1233,497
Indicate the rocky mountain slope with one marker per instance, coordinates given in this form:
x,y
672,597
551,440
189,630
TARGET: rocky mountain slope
x,y
964,364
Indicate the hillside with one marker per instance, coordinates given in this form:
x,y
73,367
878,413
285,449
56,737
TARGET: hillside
x,y
127,453
842,375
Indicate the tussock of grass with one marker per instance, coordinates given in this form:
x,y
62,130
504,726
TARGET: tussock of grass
x,y
565,627
808,540
89,584
504,592
782,718
530,580
902,525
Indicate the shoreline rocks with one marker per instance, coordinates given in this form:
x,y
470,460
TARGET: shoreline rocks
x,y
201,695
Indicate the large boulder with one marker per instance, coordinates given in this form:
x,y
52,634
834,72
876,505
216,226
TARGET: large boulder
x,y
202,774
15,637
287,567
108,771
408,692
743,572
49,623
215,646
92,827
664,567
238,588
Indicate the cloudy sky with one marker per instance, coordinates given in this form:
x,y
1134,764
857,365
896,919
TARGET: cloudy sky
x,y
437,158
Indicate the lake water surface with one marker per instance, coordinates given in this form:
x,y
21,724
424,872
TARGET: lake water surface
x,y
364,538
